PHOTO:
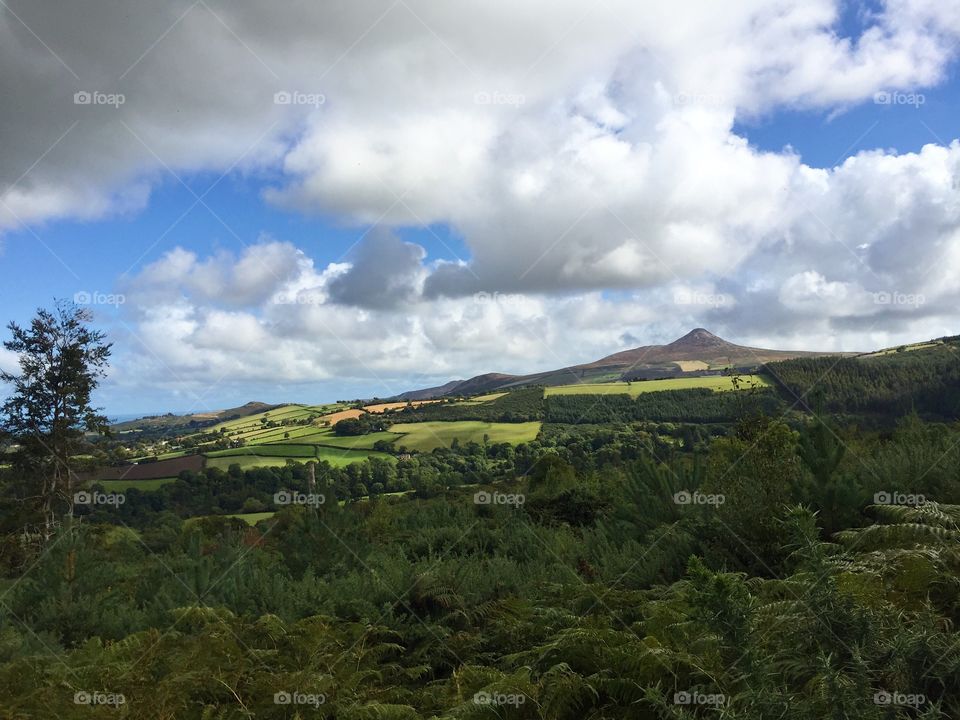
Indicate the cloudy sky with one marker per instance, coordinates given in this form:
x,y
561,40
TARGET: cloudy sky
x,y
313,201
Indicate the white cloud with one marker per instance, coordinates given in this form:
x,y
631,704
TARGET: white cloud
x,y
586,154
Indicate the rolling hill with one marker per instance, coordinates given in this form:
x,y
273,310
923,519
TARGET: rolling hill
x,y
697,352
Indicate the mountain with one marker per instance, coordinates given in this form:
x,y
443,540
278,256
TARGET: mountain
x,y
153,422
699,352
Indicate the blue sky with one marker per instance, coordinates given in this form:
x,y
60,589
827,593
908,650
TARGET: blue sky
x,y
456,206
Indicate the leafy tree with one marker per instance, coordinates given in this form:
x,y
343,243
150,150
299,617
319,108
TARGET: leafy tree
x,y
61,362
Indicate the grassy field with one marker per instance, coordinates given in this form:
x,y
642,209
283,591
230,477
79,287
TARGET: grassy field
x,y
429,435
144,485
326,436
252,518
713,382
383,407
481,399
278,455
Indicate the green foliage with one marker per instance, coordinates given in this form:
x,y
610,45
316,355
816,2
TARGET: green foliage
x,y
888,386
699,405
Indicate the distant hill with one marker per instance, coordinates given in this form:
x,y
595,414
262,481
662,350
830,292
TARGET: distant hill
x,y
159,422
699,352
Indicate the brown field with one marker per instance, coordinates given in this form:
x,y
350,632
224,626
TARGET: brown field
x,y
149,471
334,418
688,365
383,407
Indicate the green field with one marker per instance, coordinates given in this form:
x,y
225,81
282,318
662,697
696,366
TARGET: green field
x,y
291,451
429,435
252,518
326,436
144,485
278,455
481,399
712,382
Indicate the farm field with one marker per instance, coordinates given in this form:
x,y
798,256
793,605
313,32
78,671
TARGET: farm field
x,y
429,435
480,399
383,407
143,485
712,382
278,455
334,418
326,436
252,518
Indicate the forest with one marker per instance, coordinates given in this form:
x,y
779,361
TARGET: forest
x,y
769,566
882,387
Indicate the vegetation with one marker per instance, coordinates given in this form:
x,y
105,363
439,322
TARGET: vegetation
x,y
886,385
524,405
430,435
638,387
622,568
696,405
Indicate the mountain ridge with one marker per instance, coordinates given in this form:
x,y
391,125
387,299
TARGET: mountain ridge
x,y
698,352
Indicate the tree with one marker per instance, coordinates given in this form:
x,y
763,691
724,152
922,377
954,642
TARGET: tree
x,y
61,362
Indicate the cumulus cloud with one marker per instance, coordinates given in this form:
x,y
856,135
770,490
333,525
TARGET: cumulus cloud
x,y
586,154
385,273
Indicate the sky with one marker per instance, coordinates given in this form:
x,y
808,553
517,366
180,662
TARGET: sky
x,y
318,201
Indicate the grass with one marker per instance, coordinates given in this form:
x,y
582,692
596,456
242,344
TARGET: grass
x,y
326,436
252,518
476,400
144,485
278,455
429,435
713,382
